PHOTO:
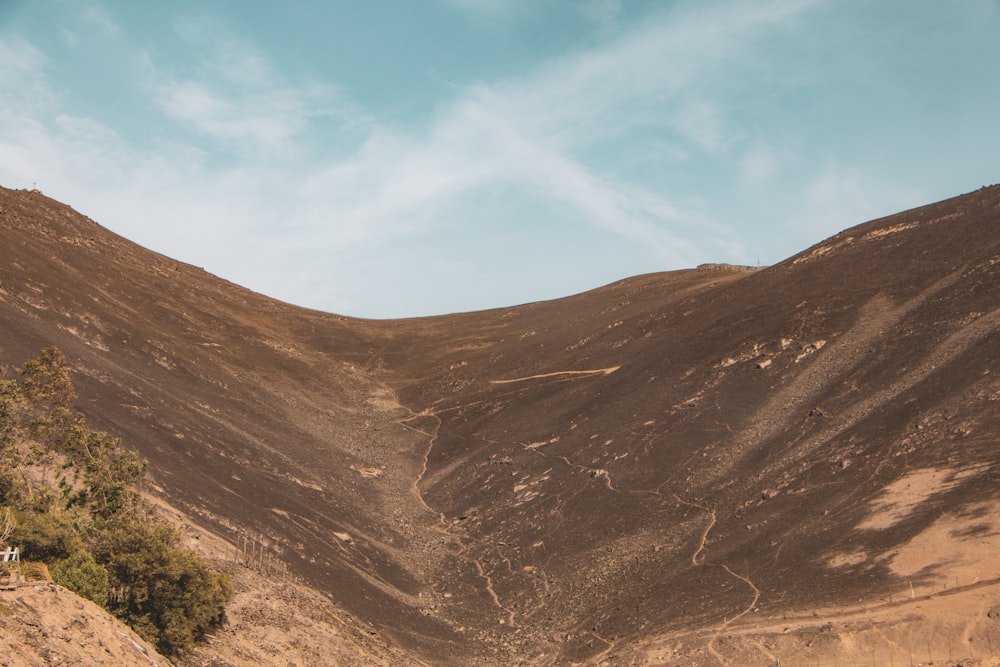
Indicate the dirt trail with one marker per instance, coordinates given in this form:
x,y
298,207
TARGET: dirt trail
x,y
885,629
698,557
598,371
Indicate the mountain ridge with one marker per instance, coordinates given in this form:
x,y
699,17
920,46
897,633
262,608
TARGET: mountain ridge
x,y
560,481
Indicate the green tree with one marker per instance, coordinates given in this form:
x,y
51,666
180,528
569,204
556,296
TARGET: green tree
x,y
112,473
76,498
44,536
10,407
81,574
165,592
47,390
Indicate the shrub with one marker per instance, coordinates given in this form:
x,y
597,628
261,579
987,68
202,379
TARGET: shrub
x,y
45,380
35,571
81,574
12,489
45,537
167,593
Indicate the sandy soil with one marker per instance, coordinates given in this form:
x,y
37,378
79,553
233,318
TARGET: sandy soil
x,y
45,624
274,618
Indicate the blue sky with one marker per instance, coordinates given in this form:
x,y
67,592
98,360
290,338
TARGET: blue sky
x,y
402,158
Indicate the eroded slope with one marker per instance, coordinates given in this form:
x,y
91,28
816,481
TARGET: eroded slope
x,y
679,452
629,474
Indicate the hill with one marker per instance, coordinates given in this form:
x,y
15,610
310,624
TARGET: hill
x,y
695,467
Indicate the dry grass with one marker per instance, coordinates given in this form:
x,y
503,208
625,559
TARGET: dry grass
x,y
35,572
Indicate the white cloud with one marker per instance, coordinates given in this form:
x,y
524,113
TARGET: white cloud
x,y
534,165
603,14
759,166
256,119
292,220
396,185
649,65
235,96
529,130
98,17
193,102
224,56
71,37
700,121
21,78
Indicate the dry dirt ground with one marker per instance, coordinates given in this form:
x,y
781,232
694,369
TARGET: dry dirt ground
x,y
720,466
45,624
274,618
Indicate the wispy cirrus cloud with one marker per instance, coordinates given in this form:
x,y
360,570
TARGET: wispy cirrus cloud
x,y
243,120
603,14
293,189
98,17
838,196
521,134
655,64
530,129
232,94
23,91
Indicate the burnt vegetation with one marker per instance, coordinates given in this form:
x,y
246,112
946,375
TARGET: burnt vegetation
x,y
677,468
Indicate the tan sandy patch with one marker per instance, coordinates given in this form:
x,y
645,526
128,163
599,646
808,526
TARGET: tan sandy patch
x,y
961,546
847,559
902,497
879,233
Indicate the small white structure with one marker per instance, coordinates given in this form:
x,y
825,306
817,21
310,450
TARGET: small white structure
x,y
10,560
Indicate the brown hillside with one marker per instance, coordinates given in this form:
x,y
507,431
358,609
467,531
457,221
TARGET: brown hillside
x,y
698,467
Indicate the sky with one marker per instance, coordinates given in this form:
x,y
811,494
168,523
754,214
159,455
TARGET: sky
x,y
400,158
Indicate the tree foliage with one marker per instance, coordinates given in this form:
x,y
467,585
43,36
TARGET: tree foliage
x,y
45,380
80,573
168,589
75,498
45,536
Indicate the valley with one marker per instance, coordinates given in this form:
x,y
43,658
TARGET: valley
x,y
797,464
